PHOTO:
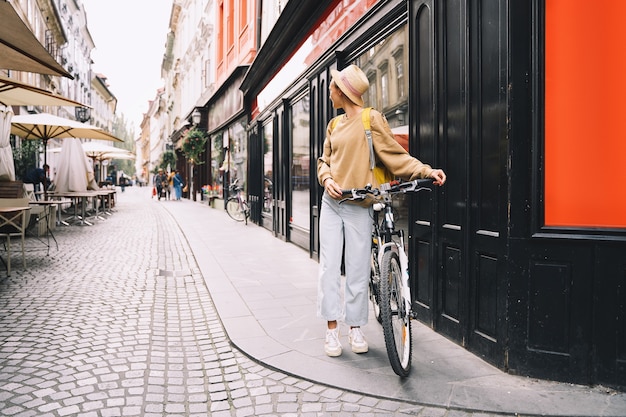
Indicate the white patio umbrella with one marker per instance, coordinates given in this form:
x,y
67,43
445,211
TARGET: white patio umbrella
x,y
118,155
7,166
20,49
74,172
15,93
99,151
46,126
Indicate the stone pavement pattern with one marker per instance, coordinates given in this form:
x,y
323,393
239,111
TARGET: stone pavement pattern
x,y
119,322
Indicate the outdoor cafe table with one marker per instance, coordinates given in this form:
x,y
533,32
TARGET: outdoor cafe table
x,y
107,196
81,197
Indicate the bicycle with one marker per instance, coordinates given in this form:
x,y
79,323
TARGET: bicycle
x,y
390,292
236,206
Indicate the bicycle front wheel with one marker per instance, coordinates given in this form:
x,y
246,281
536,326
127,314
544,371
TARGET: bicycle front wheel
x,y
395,317
246,210
375,285
234,210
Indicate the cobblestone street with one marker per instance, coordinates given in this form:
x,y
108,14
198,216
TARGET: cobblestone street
x,y
119,322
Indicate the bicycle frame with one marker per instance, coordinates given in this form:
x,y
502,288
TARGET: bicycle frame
x,y
386,233
389,279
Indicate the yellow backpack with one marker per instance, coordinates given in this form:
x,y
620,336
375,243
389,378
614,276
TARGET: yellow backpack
x,y
381,173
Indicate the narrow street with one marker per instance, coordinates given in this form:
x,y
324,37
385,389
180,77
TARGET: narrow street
x,y
119,322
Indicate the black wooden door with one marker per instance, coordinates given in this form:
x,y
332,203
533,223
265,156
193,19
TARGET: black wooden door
x,y
255,174
458,107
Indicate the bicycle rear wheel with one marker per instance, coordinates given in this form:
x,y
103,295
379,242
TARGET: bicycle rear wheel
x,y
234,210
395,317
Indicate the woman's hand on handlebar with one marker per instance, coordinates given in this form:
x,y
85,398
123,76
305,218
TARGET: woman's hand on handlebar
x,y
332,188
439,176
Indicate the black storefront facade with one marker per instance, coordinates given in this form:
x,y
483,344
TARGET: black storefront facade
x,y
225,158
488,270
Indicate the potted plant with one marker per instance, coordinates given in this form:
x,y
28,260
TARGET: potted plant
x,y
194,145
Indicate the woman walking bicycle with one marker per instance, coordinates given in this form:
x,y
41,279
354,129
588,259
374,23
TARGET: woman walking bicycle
x,y
344,164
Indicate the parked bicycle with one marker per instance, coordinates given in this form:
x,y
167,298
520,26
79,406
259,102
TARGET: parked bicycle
x,y
236,205
389,278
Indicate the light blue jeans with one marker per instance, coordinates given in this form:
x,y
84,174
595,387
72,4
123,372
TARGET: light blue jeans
x,y
354,224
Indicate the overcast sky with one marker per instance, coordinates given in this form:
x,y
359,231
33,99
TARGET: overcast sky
x,y
130,41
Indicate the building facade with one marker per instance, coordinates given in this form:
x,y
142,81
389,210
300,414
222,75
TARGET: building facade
x,y
517,258
222,115
103,103
188,69
510,259
62,28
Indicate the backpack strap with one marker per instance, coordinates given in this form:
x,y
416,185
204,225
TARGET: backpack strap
x,y
365,115
333,123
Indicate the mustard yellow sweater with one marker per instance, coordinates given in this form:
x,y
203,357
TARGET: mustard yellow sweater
x,y
346,153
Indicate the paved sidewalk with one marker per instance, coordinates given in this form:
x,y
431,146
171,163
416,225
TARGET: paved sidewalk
x,y
264,290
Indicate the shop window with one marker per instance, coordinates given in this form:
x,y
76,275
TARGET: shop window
x,y
217,161
384,65
220,32
384,85
300,162
372,96
243,15
268,166
230,25
398,56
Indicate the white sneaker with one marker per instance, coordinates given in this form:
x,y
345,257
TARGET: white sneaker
x,y
332,346
356,339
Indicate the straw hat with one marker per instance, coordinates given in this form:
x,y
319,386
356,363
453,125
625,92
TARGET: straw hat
x,y
352,81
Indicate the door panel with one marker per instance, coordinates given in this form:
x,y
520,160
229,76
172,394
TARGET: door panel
x,y
610,313
422,129
458,81
487,193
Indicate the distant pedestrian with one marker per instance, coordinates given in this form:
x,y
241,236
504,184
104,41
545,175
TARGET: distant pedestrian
x,y
170,185
178,185
160,182
123,180
37,177
113,175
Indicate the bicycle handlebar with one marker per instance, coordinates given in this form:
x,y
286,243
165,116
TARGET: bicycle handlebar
x,y
234,185
389,188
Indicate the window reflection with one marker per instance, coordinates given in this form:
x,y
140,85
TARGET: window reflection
x,y
385,65
300,163
239,152
228,154
217,159
268,171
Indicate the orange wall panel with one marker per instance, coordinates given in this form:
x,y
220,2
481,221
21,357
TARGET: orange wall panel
x,y
585,113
